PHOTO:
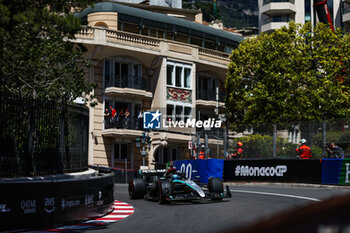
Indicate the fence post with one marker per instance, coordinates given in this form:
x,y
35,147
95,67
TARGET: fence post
x,y
62,146
81,140
274,141
126,171
324,138
29,160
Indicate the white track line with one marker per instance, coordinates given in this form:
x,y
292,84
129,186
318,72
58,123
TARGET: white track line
x,y
275,194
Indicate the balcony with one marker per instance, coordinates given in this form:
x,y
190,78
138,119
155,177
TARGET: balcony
x,y
278,7
208,99
275,22
346,14
128,85
147,44
119,126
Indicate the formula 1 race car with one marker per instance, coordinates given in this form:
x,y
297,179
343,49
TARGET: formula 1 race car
x,y
159,185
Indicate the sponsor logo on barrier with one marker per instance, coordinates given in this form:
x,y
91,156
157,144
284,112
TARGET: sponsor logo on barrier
x,y
347,173
187,169
49,205
279,170
28,206
89,199
4,209
99,202
69,204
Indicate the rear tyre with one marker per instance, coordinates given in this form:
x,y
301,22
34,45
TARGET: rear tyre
x,y
165,191
137,188
216,188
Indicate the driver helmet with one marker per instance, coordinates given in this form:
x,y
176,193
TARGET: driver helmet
x,y
303,141
176,177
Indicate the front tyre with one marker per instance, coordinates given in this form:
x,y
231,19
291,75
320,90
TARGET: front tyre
x,y
216,188
165,191
137,188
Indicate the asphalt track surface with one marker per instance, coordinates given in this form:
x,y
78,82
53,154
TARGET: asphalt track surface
x,y
249,203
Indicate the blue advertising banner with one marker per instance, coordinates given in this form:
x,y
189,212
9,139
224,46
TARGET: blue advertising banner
x,y
202,168
331,170
336,171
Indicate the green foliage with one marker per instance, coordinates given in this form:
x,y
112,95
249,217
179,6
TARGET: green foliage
x,y
261,146
290,75
238,13
338,137
38,59
206,7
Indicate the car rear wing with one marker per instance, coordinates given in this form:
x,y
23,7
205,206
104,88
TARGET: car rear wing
x,y
152,172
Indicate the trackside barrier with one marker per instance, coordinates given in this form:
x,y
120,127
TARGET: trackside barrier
x,y
336,171
44,203
203,168
120,175
276,170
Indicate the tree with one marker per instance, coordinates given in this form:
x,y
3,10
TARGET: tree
x,y
207,7
38,58
293,74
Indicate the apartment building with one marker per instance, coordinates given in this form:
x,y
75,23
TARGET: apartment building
x,y
148,61
274,14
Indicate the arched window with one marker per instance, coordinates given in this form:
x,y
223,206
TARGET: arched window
x,y
101,24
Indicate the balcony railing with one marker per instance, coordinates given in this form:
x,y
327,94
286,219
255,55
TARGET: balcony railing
x,y
279,19
269,1
205,95
142,41
121,122
213,53
127,81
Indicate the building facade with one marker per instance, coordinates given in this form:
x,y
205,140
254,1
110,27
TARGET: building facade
x,y
274,14
147,61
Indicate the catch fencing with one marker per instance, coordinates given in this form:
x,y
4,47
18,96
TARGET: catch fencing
x,y
42,137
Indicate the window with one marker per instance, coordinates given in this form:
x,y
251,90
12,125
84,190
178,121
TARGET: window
x,y
307,10
187,77
207,87
182,113
108,73
166,154
178,116
179,75
131,27
123,73
182,37
187,113
170,70
170,112
173,154
121,151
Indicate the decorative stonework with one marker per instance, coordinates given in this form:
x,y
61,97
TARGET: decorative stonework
x,y
177,94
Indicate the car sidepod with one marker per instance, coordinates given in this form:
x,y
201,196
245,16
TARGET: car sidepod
x,y
192,185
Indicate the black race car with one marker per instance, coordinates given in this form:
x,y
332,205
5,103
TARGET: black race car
x,y
165,187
